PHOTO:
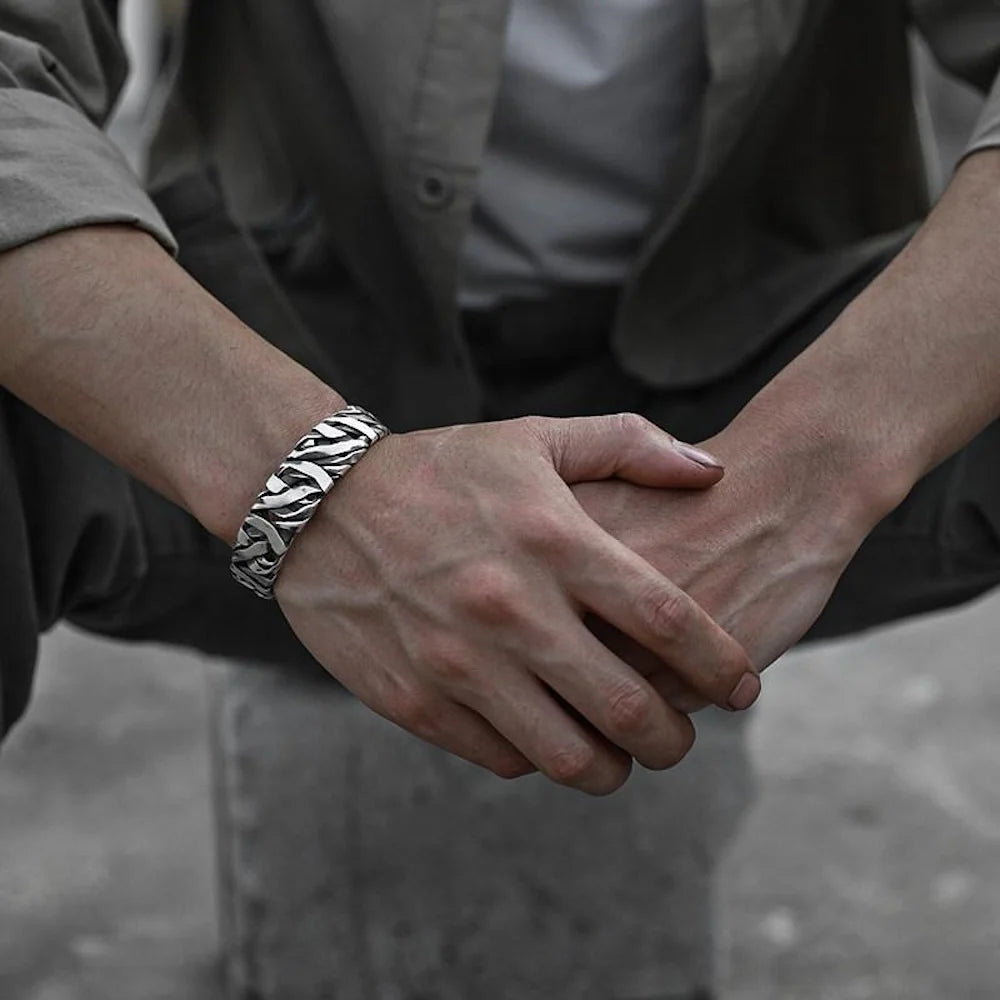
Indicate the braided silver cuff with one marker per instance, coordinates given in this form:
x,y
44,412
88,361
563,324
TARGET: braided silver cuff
x,y
295,491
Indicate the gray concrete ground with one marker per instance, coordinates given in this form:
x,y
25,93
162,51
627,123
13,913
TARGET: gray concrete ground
x,y
106,844
870,867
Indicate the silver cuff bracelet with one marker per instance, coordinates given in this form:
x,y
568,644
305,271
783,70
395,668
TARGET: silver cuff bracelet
x,y
295,491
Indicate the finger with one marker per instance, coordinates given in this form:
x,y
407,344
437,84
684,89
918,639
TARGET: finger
x,y
663,680
626,446
461,732
618,585
564,750
615,699
639,658
676,693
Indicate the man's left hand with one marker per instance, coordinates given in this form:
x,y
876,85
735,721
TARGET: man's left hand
x,y
761,551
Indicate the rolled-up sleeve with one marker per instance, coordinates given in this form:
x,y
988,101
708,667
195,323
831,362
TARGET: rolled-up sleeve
x,y
58,171
986,134
61,69
964,36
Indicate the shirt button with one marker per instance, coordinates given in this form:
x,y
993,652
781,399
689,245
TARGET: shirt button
x,y
435,190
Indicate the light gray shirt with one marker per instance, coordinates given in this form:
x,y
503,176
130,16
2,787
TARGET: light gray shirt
x,y
594,131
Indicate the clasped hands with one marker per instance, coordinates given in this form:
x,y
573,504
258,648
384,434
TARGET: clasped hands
x,y
560,595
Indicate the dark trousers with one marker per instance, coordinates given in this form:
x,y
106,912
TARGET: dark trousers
x,y
462,887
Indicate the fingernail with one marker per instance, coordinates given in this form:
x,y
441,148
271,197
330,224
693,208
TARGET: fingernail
x,y
745,693
703,458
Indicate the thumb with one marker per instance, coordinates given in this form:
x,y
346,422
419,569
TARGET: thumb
x,y
626,446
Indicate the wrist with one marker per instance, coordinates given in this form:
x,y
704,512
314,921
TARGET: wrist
x,y
219,484
838,474
907,374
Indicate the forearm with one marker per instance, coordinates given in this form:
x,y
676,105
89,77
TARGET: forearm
x,y
107,336
911,370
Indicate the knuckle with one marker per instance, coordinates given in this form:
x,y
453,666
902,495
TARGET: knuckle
x,y
414,711
532,426
447,659
633,423
630,709
569,765
668,613
546,531
490,592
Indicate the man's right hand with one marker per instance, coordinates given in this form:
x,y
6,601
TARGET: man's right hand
x,y
445,579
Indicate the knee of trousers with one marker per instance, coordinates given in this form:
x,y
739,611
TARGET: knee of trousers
x,y
71,536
